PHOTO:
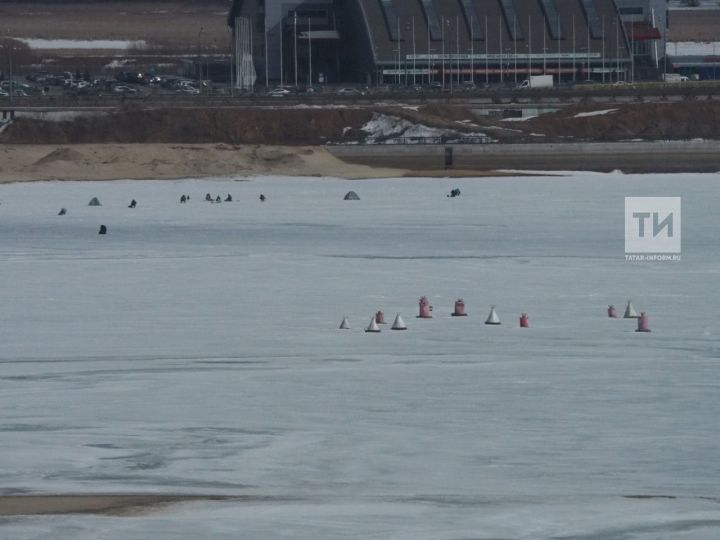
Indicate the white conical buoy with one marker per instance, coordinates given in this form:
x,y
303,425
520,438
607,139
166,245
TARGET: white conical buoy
x,y
630,312
372,327
345,324
398,324
493,317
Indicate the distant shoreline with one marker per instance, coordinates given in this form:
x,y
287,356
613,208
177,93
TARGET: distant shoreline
x,y
157,161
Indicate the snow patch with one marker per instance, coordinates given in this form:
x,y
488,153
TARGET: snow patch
x,y
594,113
82,44
118,63
383,127
59,116
521,119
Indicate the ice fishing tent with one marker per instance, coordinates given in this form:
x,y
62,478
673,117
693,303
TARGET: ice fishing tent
x,y
493,317
372,327
345,324
94,202
351,196
398,324
630,312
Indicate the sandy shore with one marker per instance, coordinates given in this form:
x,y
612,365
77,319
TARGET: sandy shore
x,y
24,163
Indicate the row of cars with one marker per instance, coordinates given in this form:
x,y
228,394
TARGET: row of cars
x,y
123,83
282,91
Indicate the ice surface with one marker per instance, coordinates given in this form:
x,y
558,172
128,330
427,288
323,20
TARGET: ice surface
x,y
194,349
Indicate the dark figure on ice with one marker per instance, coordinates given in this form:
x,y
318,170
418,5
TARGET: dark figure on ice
x,y
62,212
262,198
132,204
228,198
208,198
218,199
183,199
454,193
103,229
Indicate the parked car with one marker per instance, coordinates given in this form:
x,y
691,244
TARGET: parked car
x,y
130,77
38,76
124,89
187,90
350,92
279,92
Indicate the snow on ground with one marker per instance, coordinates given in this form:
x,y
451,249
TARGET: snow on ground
x,y
54,44
594,113
59,116
519,119
384,127
692,48
194,349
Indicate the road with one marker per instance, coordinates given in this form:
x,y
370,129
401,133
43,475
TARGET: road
x,y
556,97
633,157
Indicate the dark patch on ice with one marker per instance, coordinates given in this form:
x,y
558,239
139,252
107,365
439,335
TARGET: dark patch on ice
x,y
231,362
521,258
143,461
649,497
104,446
339,360
632,531
36,427
204,430
446,500
671,497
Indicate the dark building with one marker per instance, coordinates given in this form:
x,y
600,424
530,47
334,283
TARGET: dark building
x,y
429,41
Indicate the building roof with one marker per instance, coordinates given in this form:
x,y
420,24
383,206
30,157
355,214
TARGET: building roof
x,y
530,23
694,25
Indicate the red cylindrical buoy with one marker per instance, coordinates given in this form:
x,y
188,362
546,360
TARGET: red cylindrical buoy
x,y
643,323
524,321
459,308
425,308
612,312
380,317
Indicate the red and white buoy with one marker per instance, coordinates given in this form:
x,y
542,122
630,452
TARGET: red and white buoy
x,y
425,308
493,317
459,308
524,321
612,312
372,327
380,317
643,323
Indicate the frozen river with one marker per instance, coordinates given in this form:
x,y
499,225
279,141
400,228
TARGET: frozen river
x,y
194,349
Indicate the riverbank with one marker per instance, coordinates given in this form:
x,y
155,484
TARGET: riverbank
x,y
26,163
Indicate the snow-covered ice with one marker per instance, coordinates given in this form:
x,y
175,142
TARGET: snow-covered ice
x,y
194,349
